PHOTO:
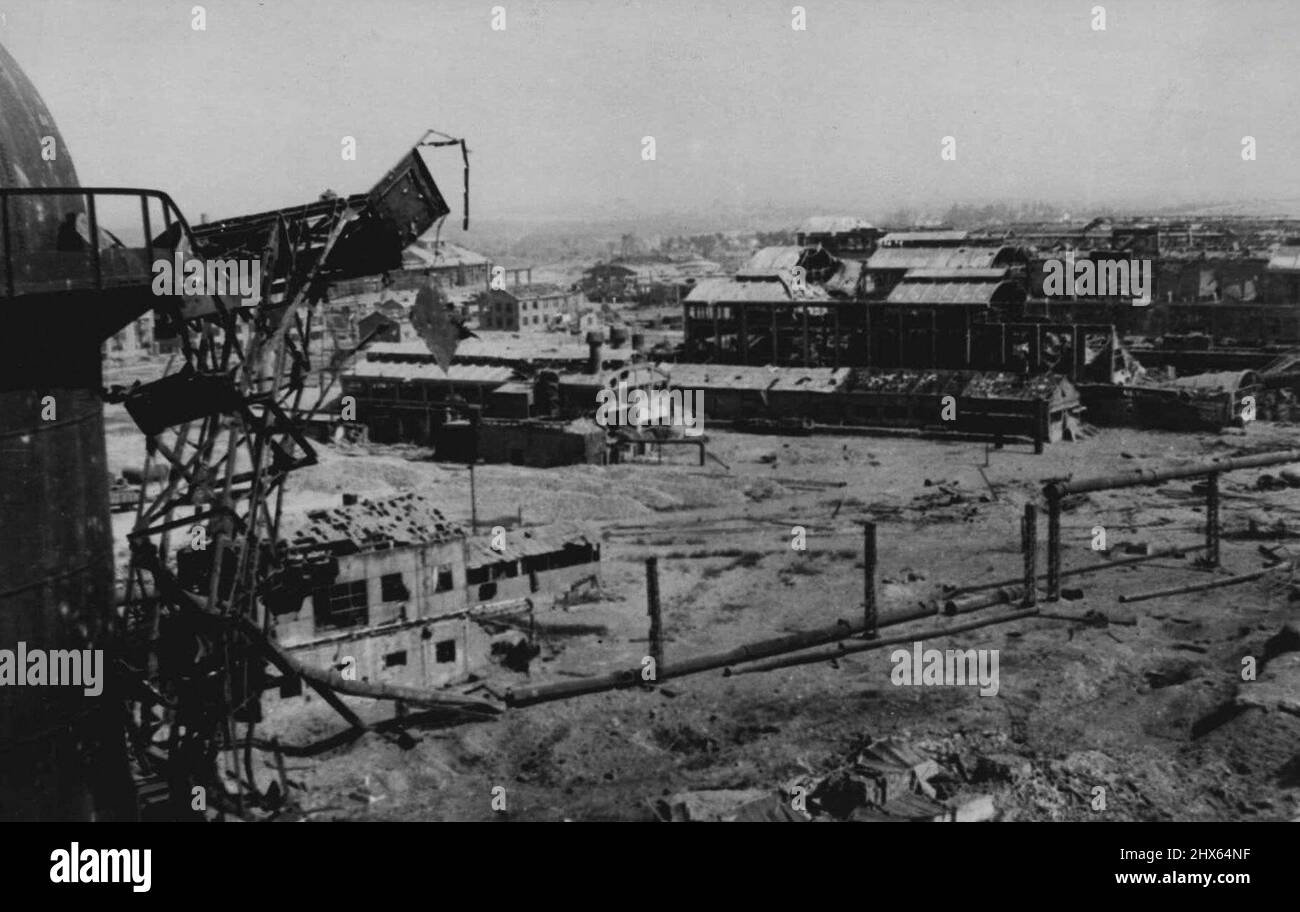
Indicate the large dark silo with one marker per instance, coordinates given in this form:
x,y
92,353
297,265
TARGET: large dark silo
x,y
62,754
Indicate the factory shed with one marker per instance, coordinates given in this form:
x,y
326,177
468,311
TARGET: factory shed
x,y
406,401
396,606
1198,402
1042,408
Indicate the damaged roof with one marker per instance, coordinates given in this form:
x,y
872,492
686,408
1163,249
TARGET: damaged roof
x,y
429,370
974,293
440,255
526,543
373,525
726,291
771,261
935,257
967,384
993,385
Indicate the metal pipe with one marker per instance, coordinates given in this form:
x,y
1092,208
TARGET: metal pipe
x,y
1075,571
1198,587
841,649
1005,595
761,649
1139,477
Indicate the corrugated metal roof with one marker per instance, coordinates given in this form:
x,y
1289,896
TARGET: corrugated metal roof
x,y
443,255
959,275
726,291
809,379
407,519
833,224
718,289
934,258
721,376
771,261
753,377
525,543
973,293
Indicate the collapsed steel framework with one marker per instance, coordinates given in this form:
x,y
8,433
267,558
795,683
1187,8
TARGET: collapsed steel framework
x,y
225,424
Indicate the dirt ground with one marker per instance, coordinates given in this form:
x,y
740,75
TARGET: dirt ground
x,y
1149,705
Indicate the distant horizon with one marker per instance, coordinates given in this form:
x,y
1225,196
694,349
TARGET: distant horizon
x,y
749,115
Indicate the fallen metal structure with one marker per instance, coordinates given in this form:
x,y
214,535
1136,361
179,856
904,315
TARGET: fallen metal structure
x,y
226,420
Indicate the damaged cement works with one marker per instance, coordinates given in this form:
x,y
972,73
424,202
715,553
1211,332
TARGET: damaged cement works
x,y
346,510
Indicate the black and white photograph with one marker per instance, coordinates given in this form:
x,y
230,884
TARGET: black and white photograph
x,y
584,411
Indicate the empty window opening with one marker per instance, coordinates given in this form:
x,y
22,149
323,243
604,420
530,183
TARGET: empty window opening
x,y
393,588
444,583
444,651
395,658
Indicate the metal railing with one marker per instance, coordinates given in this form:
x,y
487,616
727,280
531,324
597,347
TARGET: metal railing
x,y
94,247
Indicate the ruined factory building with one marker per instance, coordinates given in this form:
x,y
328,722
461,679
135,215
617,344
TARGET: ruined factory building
x,y
412,598
524,307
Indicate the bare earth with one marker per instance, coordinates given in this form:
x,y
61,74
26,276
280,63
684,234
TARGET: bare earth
x,y
1150,707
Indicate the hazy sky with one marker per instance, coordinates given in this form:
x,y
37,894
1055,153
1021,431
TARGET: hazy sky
x,y
844,117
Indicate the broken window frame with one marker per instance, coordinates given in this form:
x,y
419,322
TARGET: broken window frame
x,y
347,601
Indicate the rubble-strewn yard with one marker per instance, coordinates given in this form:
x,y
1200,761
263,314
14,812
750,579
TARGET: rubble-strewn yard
x,y
1143,705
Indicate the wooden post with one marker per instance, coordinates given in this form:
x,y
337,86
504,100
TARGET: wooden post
x,y
1053,546
1212,520
1029,544
870,615
656,621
